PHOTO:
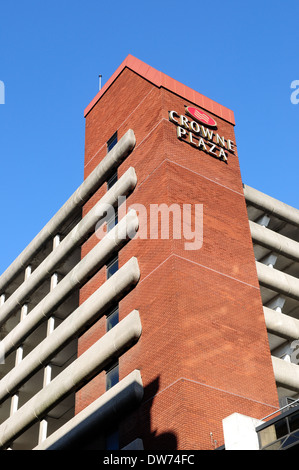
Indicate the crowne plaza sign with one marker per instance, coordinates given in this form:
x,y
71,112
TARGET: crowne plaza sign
x,y
199,130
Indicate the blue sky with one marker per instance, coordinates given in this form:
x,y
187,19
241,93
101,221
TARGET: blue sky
x,y
242,54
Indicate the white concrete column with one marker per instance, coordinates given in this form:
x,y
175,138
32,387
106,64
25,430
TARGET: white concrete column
x,y
239,432
43,428
2,349
19,352
269,260
263,221
277,303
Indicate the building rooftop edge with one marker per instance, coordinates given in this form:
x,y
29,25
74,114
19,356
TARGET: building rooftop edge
x,y
162,80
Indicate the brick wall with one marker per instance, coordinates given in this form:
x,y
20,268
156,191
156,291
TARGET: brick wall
x,y
203,353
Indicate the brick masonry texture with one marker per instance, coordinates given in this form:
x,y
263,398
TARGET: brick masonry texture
x,y
203,353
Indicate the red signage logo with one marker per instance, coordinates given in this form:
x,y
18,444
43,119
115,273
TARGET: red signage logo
x,y
201,116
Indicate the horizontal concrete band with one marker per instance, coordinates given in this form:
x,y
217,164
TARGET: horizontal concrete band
x,y
278,281
86,314
281,324
75,238
111,345
286,374
120,399
271,206
99,175
274,241
75,279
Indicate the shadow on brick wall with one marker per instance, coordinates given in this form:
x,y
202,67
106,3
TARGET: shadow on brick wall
x,y
139,424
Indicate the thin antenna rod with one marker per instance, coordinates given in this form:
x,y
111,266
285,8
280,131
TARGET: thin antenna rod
x,y
100,82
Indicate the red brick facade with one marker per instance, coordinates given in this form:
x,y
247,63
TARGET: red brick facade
x,y
203,353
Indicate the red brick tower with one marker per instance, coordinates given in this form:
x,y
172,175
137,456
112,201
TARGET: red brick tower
x,y
203,353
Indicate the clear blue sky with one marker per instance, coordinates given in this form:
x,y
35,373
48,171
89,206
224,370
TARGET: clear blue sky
x,y
242,54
